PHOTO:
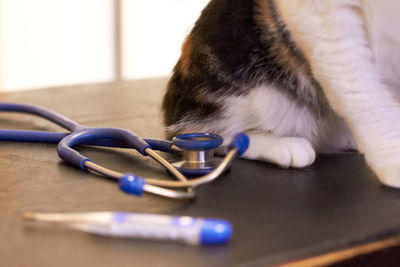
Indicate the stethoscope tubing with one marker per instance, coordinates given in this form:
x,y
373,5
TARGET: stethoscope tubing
x,y
50,115
55,138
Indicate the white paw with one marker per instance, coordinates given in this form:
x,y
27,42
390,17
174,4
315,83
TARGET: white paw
x,y
291,152
386,165
389,175
286,152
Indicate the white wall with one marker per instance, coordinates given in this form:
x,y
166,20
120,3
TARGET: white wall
x,y
1,43
56,42
46,43
153,32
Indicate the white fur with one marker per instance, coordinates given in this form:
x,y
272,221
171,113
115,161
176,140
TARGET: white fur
x,y
353,47
286,152
283,133
382,20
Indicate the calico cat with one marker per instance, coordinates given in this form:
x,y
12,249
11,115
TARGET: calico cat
x,y
299,76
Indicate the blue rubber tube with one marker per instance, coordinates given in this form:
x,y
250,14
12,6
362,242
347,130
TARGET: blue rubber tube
x,y
55,138
41,112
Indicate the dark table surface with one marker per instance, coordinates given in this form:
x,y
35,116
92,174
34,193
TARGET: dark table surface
x,y
278,215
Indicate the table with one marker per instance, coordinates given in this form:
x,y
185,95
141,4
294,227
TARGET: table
x,y
330,211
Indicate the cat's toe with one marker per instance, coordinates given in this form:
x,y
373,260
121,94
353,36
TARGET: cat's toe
x,y
294,152
286,152
301,151
281,156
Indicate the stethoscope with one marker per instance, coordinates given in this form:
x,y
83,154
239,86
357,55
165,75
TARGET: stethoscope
x,y
197,150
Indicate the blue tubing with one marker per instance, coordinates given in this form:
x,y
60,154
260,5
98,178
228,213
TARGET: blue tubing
x,y
55,138
41,112
31,136
65,151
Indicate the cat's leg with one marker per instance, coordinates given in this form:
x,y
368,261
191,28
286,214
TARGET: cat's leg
x,y
286,152
332,36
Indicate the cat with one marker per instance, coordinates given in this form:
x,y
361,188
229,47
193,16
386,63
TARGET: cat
x,y
300,77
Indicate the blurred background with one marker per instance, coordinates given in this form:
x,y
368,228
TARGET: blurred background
x,y
47,43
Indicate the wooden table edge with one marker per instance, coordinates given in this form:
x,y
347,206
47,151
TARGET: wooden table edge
x,y
343,254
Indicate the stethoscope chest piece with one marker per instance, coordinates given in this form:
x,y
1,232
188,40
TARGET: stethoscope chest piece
x,y
197,152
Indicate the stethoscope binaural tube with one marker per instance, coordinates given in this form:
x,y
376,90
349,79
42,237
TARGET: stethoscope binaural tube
x,y
136,185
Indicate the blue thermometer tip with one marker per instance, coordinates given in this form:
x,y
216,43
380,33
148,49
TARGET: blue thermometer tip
x,y
215,232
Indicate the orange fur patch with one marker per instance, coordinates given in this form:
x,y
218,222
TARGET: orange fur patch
x,y
294,31
185,55
283,54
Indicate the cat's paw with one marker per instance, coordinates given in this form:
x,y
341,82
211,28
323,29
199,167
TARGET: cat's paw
x,y
389,175
386,166
295,152
292,152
